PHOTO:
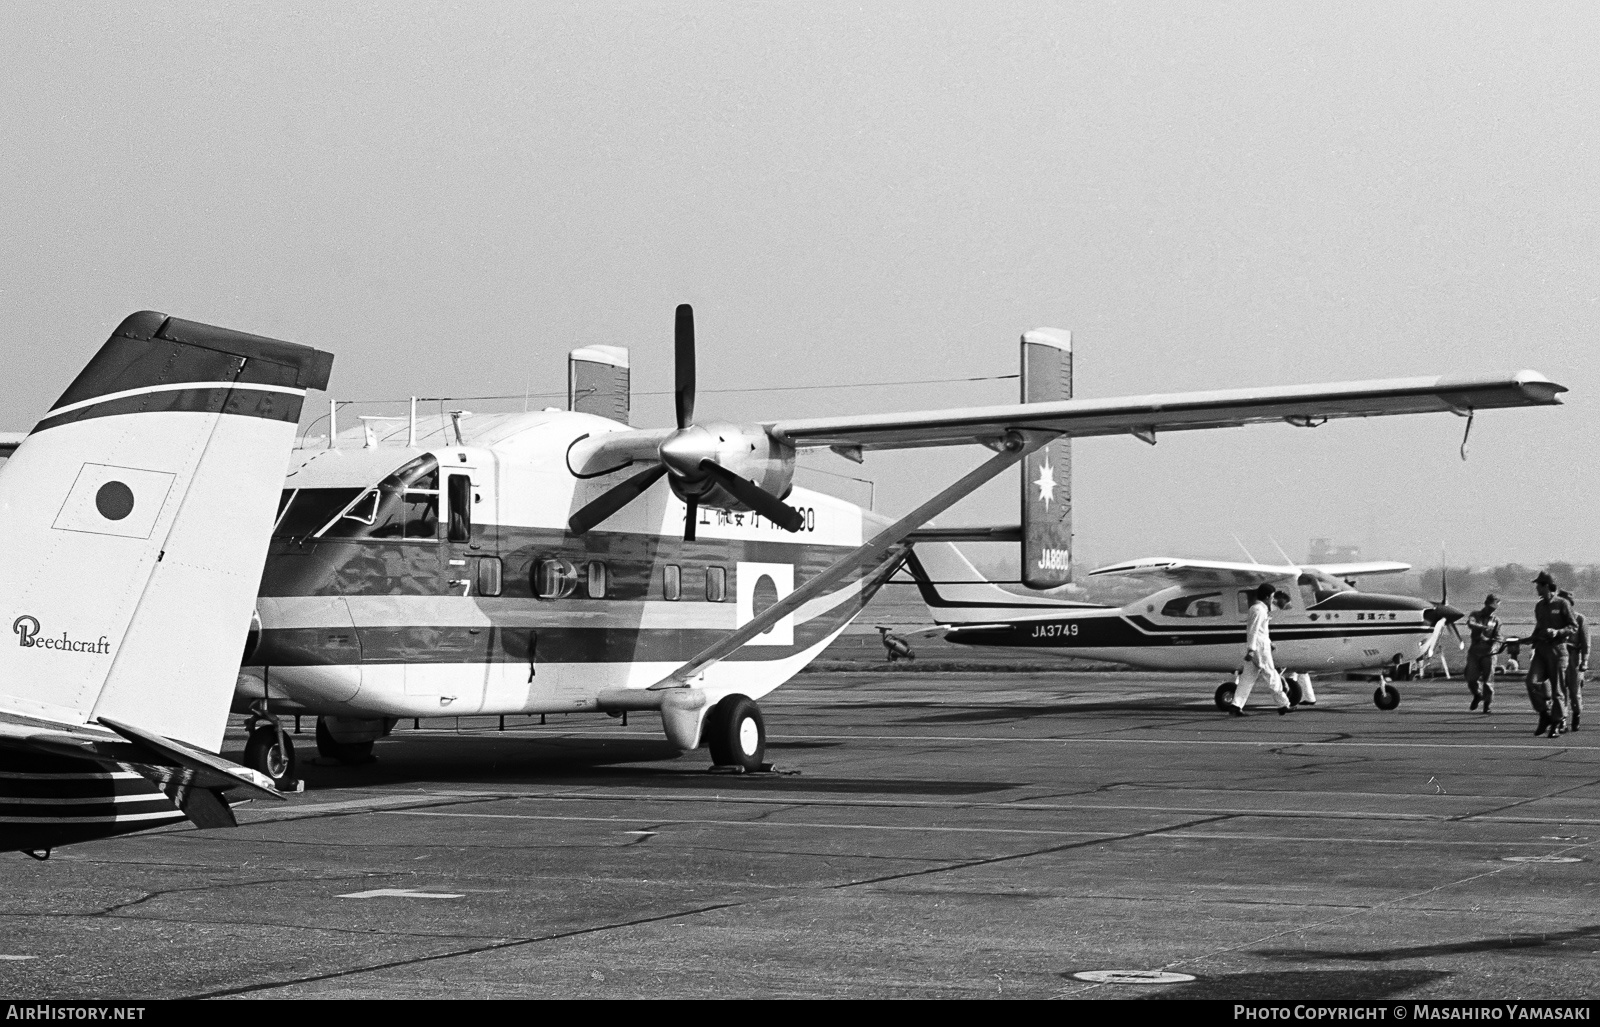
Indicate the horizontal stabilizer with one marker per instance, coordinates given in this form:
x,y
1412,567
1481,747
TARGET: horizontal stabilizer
x,y
203,769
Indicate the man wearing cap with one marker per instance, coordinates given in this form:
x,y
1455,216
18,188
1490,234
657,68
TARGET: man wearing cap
x,y
1577,663
1258,665
1554,625
1485,628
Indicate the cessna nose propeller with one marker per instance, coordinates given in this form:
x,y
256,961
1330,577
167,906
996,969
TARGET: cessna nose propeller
x,y
1442,615
688,455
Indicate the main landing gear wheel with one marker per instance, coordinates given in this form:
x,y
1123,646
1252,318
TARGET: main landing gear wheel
x,y
1386,697
1292,688
348,753
1224,696
270,751
736,733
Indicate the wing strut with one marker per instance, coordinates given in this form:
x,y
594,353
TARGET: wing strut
x,y
1014,447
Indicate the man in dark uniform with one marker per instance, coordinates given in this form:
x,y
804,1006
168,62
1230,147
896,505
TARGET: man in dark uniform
x,y
1485,628
1577,663
1553,627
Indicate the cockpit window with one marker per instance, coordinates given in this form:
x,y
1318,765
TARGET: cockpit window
x,y
1316,587
302,512
403,505
1207,605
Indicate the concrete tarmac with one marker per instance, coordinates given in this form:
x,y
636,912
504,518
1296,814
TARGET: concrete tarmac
x,y
930,835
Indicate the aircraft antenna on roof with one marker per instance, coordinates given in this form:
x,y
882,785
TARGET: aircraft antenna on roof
x,y
1246,551
1286,557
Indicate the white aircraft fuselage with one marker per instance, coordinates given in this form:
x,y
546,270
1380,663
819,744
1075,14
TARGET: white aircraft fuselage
x,y
1348,630
1194,625
507,611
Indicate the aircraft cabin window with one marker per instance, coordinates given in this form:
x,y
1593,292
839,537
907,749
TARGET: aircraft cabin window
x,y
489,575
460,499
405,505
554,578
597,580
716,584
672,582
1207,605
1245,599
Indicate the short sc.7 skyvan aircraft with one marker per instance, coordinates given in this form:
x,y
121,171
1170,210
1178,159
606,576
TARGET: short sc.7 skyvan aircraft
x,y
134,519
1196,622
565,562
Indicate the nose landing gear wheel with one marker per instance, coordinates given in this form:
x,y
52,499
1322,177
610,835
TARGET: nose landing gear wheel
x,y
736,733
263,752
1224,696
1386,697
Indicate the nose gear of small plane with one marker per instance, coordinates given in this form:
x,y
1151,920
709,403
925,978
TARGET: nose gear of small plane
x,y
1385,696
1224,696
737,734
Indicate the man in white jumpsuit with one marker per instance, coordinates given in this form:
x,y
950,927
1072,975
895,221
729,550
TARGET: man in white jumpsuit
x,y
1258,665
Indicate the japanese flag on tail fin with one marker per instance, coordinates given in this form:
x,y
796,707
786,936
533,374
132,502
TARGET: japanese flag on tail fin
x,y
1047,473
136,517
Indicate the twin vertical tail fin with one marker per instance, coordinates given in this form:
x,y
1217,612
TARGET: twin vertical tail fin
x,y
597,382
1047,473
137,515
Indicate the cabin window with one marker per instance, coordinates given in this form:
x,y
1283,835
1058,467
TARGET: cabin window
x,y
1207,605
405,505
672,582
1245,599
460,500
716,584
554,578
488,575
597,580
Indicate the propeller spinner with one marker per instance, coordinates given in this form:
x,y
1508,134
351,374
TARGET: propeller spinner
x,y
702,461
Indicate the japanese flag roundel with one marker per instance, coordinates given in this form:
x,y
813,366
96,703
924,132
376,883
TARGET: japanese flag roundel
x,y
110,500
756,587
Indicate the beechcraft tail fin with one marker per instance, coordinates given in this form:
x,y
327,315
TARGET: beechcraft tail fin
x,y
136,517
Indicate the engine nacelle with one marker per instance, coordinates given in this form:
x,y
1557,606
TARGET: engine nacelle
x,y
745,449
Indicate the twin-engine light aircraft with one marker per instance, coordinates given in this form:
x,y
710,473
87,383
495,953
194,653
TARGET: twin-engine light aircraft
x,y
135,519
561,561
1197,623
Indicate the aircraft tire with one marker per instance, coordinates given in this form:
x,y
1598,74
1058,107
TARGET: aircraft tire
x,y
349,753
263,753
1224,696
736,733
1386,697
1292,687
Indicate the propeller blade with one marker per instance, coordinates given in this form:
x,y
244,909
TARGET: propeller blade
x,y
1432,643
756,497
683,364
690,514
1460,642
613,499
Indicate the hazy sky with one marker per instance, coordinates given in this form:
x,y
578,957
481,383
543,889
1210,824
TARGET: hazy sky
x,y
450,196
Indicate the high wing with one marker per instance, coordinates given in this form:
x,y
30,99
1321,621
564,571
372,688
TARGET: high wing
x,y
1200,572
1301,405
1356,570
